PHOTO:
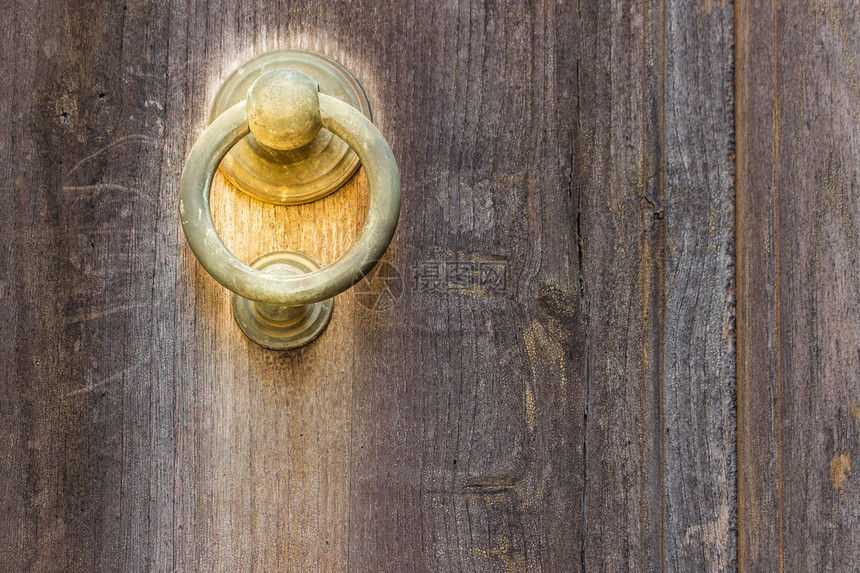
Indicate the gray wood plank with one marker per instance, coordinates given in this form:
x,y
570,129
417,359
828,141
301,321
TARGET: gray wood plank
x,y
84,146
759,529
698,354
467,443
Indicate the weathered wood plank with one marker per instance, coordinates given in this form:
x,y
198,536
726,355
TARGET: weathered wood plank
x,y
759,504
470,414
698,356
798,133
84,143
613,217
656,231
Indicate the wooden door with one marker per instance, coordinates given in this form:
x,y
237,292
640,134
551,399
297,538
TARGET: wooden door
x,y
625,336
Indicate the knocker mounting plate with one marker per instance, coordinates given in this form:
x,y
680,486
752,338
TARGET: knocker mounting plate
x,y
296,176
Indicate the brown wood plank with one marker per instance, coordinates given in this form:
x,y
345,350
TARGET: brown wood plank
x,y
467,404
759,530
657,234
623,459
577,415
799,108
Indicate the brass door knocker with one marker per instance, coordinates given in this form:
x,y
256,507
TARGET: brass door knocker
x,y
284,299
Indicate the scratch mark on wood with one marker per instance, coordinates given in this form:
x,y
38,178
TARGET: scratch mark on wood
x,y
97,188
96,314
102,384
117,145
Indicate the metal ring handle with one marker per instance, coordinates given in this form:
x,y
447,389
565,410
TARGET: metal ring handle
x,y
383,179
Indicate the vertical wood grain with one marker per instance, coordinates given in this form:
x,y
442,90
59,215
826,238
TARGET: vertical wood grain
x,y
759,448
699,296
656,233
799,113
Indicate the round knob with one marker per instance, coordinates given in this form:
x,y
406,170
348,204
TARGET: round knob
x,y
281,110
284,110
